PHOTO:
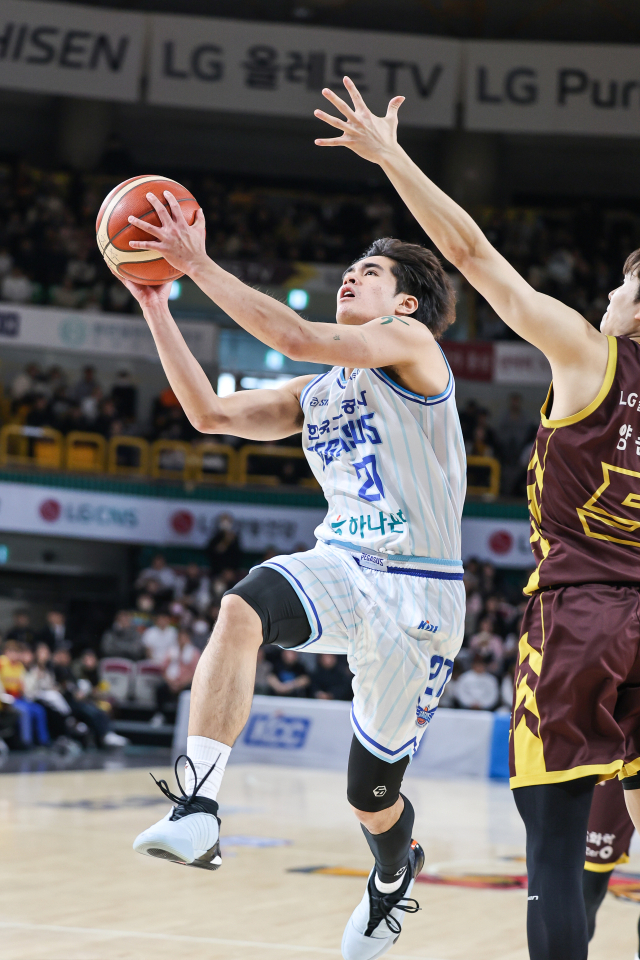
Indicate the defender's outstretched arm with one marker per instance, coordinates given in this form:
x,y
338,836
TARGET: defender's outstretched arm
x,y
561,333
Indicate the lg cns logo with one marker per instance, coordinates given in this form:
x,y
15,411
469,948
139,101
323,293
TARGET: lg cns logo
x,y
182,522
50,510
277,730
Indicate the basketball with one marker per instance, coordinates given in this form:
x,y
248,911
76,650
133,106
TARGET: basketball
x,y
113,230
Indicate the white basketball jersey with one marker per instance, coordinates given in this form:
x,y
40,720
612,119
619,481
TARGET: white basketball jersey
x,y
391,464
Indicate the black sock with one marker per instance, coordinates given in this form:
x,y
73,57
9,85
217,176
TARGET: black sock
x,y
391,849
594,889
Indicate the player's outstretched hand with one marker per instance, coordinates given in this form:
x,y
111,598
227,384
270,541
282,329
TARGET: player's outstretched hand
x,y
369,136
183,246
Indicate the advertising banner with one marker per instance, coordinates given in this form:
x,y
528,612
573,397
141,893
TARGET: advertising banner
x,y
219,64
61,512
58,512
70,49
96,333
505,543
318,733
519,363
552,88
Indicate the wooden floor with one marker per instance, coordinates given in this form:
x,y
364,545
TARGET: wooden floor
x,y
72,889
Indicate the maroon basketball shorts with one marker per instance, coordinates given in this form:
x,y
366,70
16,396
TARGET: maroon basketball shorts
x,y
610,828
576,698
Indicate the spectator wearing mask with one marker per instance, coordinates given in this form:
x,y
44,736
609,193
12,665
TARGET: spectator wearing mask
x,y
178,669
223,549
194,589
477,689
487,644
162,575
54,634
122,639
329,681
289,677
21,629
90,685
158,639
33,717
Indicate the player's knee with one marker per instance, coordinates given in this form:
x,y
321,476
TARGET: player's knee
x,y
379,821
237,622
370,802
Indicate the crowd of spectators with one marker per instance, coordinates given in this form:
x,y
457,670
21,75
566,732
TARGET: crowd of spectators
x,y
48,252
483,671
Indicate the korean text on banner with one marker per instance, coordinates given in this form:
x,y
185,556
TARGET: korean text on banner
x,y
277,69
552,88
70,49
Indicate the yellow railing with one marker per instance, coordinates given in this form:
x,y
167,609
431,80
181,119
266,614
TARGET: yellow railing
x,y
213,463
483,465
85,452
22,446
202,462
128,456
264,451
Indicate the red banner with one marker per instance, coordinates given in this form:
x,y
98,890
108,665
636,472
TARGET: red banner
x,y
470,361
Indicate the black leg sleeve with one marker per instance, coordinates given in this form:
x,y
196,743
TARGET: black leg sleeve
x,y
391,849
594,889
556,816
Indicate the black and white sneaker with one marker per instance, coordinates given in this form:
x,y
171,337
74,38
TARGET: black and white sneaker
x,y
190,832
376,923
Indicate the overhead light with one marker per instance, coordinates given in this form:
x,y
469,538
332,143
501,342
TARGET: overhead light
x,y
262,383
176,290
298,299
274,360
226,385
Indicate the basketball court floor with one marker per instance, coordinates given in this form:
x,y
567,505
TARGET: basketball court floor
x,y
72,888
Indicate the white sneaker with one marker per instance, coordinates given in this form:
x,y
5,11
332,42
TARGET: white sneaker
x,y
189,834
376,923
112,739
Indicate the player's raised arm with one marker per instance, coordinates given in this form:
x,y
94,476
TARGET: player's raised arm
x,y
561,333
252,414
394,339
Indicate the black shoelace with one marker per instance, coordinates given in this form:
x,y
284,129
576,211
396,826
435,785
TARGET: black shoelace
x,y
383,904
183,799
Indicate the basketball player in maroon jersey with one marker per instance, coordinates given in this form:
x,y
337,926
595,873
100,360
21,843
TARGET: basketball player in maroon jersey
x,y
576,716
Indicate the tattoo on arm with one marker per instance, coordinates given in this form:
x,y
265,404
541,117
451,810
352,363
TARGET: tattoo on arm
x,y
336,337
391,319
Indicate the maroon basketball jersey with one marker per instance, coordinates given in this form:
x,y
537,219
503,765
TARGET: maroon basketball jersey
x,y
583,483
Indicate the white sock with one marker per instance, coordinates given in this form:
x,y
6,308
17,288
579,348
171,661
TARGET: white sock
x,y
204,753
389,887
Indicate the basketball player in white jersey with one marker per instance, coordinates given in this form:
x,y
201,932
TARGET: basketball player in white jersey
x,y
383,583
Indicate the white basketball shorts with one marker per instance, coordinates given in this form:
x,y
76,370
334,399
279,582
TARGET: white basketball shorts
x,y
400,621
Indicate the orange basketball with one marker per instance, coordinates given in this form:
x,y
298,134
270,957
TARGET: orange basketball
x,y
113,230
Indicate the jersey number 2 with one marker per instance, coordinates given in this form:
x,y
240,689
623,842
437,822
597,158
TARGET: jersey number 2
x,y
372,482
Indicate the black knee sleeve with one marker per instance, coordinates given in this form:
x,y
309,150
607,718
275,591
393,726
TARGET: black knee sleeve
x,y
373,784
594,889
631,783
283,617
